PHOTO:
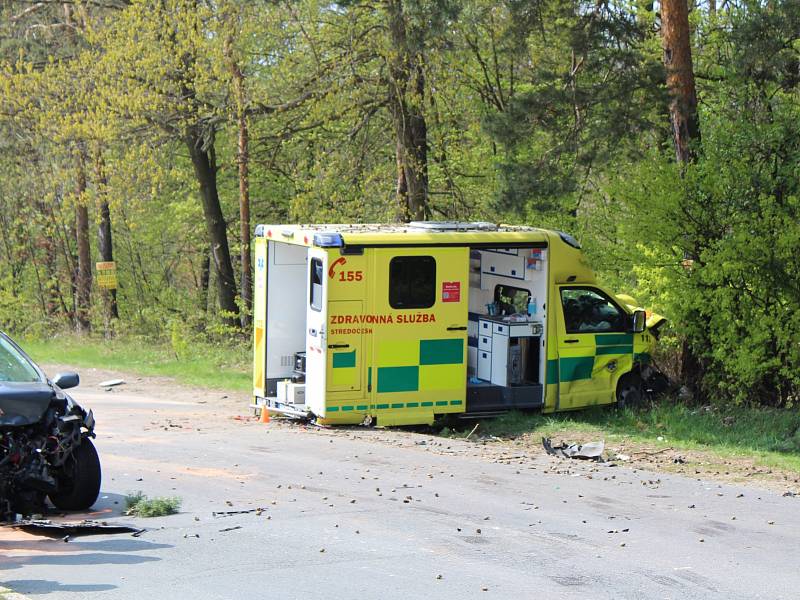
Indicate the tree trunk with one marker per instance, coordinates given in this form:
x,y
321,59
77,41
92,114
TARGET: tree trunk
x,y
243,160
680,77
62,232
406,98
205,275
244,217
50,260
83,279
205,170
104,241
685,124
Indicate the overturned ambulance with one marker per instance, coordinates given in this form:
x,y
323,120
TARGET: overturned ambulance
x,y
399,324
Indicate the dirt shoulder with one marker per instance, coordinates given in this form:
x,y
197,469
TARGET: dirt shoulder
x,y
660,457
162,388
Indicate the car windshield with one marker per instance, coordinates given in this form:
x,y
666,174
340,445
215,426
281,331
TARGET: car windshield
x,y
14,366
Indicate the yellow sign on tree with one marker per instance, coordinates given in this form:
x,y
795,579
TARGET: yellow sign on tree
x,y
107,275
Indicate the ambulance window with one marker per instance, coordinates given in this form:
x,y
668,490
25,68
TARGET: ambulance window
x,y
316,284
511,299
588,310
412,282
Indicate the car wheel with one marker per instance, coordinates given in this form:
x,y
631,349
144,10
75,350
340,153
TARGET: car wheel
x,y
629,391
80,483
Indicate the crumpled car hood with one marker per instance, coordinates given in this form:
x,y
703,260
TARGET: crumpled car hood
x,y
23,404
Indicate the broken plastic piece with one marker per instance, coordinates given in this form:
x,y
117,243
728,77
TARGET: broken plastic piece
x,y
51,529
111,383
590,451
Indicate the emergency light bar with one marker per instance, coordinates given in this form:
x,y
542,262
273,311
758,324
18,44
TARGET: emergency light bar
x,y
328,240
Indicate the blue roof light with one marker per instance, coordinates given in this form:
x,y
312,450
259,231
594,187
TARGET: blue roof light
x,y
328,240
569,240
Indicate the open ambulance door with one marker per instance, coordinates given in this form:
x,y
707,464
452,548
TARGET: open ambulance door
x,y
316,331
595,346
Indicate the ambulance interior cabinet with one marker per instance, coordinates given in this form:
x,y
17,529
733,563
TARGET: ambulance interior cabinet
x,y
508,353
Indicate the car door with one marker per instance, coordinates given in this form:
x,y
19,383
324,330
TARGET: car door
x,y
594,346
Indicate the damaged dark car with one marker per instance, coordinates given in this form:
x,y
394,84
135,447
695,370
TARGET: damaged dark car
x,y
46,448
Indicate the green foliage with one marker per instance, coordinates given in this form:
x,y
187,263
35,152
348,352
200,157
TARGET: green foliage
x,y
137,504
735,214
546,112
590,89
13,308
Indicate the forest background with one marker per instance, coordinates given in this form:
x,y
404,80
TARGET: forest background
x,y
157,133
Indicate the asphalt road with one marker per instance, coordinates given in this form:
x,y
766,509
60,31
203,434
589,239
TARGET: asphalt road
x,y
373,514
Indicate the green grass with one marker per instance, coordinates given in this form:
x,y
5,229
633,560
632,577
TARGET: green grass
x,y
137,504
226,368
768,435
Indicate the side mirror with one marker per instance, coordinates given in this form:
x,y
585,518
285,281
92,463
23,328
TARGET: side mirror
x,y
67,380
639,321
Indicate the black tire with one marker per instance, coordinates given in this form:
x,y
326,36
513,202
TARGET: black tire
x,y
80,483
629,391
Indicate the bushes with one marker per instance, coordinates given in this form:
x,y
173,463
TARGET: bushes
x,y
720,252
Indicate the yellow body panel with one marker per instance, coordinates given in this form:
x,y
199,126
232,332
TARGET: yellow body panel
x,y
259,322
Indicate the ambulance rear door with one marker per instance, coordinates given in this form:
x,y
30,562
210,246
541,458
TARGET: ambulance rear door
x,y
316,330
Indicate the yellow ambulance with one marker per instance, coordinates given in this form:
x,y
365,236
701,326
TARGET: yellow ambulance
x,y
399,324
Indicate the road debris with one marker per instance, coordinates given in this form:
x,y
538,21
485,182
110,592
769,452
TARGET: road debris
x,y
111,383
647,452
230,513
474,429
70,529
589,451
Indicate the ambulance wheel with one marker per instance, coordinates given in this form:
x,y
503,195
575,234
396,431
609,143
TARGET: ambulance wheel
x,y
629,391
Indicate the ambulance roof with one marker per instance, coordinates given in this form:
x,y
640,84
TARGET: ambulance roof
x,y
404,234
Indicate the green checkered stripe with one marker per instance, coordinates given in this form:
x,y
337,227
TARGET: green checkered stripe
x,y
431,352
388,406
574,368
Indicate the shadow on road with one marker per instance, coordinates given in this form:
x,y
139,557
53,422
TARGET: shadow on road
x,y
34,587
118,544
75,560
